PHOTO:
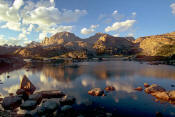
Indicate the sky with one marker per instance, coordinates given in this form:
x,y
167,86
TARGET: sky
x,y
24,21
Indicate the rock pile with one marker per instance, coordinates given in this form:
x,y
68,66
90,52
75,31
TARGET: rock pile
x,y
159,92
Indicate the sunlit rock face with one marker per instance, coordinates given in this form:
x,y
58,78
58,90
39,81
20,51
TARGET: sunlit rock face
x,y
60,38
157,45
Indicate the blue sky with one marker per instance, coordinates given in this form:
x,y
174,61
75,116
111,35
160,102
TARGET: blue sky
x,y
23,21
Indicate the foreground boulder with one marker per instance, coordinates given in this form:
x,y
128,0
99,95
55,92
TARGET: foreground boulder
x,y
161,95
27,85
37,97
96,92
12,102
52,94
109,88
154,88
29,105
67,100
48,107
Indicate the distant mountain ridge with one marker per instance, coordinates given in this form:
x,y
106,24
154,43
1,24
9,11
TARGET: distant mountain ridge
x,y
66,44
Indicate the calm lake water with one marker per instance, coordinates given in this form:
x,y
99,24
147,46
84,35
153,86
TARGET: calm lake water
x,y
77,81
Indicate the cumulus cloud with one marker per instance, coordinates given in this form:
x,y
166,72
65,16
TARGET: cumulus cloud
x,y
87,31
173,8
18,4
120,26
41,16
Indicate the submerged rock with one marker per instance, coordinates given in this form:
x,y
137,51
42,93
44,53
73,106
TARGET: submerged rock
x,y
27,85
139,89
29,105
109,88
161,95
67,100
52,94
146,85
154,88
12,102
96,92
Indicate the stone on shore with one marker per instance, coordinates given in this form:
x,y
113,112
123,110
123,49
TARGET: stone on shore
x,y
96,92
146,85
27,85
66,108
29,105
109,88
11,102
49,106
172,95
37,97
139,89
161,95
52,94
67,100
154,88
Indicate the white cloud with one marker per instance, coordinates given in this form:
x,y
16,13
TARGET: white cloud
x,y
116,35
130,35
12,26
42,15
18,4
115,12
173,8
120,26
90,30
133,14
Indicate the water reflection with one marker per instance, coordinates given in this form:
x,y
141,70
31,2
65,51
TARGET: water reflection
x,y
77,80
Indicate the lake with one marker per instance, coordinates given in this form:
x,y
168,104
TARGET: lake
x,y
78,79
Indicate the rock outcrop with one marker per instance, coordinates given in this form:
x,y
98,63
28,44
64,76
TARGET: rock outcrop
x,y
157,45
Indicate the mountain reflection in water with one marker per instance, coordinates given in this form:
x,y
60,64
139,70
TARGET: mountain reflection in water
x,y
78,78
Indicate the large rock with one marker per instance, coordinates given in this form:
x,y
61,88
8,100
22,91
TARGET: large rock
x,y
161,95
52,94
48,106
37,97
12,102
67,100
29,105
66,108
154,88
172,95
96,92
27,85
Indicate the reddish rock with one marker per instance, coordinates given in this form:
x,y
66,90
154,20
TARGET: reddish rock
x,y
52,94
154,88
146,85
172,95
12,102
109,88
139,89
161,95
96,92
27,85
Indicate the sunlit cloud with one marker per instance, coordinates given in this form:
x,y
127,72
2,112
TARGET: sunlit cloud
x,y
90,30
